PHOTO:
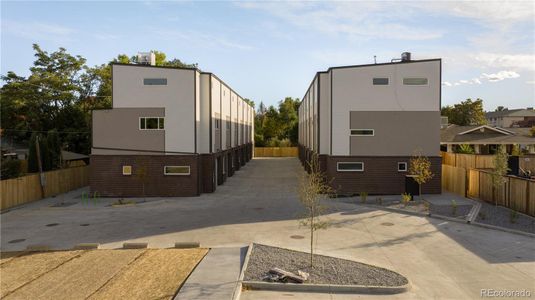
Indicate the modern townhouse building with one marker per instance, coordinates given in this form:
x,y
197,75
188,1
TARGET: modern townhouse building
x,y
364,123
171,132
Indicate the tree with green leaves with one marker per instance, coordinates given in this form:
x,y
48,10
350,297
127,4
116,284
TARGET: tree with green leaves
x,y
44,154
54,149
499,171
466,113
420,168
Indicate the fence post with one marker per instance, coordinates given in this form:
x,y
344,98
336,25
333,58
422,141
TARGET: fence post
x,y
527,198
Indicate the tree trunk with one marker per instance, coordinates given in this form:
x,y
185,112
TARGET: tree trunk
x,y
311,238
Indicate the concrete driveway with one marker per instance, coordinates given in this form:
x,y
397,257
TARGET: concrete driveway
x,y
259,204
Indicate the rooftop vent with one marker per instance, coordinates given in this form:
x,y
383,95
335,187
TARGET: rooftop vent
x,y
146,58
405,56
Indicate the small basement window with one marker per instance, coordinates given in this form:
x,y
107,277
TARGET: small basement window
x,y
151,123
380,81
127,170
350,167
363,132
402,167
176,170
155,81
414,81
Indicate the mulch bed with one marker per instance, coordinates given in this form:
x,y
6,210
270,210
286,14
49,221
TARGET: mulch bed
x,y
327,270
504,217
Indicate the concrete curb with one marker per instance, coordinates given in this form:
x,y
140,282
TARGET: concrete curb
x,y
187,245
38,248
531,235
239,284
468,222
86,246
135,245
326,288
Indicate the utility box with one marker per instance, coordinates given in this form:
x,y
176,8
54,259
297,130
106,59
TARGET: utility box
x,y
411,186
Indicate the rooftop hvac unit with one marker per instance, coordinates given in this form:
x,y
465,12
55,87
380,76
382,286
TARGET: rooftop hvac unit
x,y
146,58
406,56
443,122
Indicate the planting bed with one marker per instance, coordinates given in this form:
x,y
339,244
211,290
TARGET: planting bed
x,y
327,270
504,217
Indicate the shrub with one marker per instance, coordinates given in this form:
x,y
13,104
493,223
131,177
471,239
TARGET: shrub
x,y
453,207
405,198
513,216
465,149
426,206
363,196
11,168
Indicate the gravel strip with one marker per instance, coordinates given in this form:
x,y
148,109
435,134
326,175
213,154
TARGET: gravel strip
x,y
501,216
461,212
327,270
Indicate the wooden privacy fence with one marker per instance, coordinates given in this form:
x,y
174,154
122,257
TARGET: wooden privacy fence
x,y
515,193
28,188
480,161
454,179
276,152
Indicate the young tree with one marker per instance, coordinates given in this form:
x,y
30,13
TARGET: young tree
x,y
312,188
420,167
499,171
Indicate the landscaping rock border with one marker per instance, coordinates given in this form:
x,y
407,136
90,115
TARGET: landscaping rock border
x,y
330,275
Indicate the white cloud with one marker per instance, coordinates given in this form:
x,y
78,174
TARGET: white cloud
x,y
362,20
36,30
510,61
530,82
446,83
500,76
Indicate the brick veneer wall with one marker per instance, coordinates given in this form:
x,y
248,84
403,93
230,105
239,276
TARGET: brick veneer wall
x,y
107,179
380,175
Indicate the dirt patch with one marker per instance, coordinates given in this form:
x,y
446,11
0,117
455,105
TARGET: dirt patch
x,y
156,275
100,274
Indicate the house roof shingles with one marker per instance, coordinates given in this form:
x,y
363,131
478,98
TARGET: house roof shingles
x,y
451,135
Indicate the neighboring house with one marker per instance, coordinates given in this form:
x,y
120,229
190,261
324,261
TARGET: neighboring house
x,y
485,139
366,121
171,132
509,117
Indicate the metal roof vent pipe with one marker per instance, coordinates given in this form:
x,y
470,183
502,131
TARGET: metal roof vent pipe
x,y
405,56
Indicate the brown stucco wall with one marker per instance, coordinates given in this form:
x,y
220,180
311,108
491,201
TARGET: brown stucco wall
x,y
106,176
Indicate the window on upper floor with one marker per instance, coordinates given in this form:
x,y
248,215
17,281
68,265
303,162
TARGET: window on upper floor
x,y
362,132
380,81
415,81
402,166
155,81
151,123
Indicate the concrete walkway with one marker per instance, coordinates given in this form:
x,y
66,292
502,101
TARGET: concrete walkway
x,y
216,277
443,260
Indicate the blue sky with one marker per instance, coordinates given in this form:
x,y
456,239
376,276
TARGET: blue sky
x,y
269,50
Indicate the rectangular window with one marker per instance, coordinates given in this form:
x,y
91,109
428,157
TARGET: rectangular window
x,y
402,167
350,166
155,81
176,170
151,123
363,132
380,81
414,81
216,123
127,170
